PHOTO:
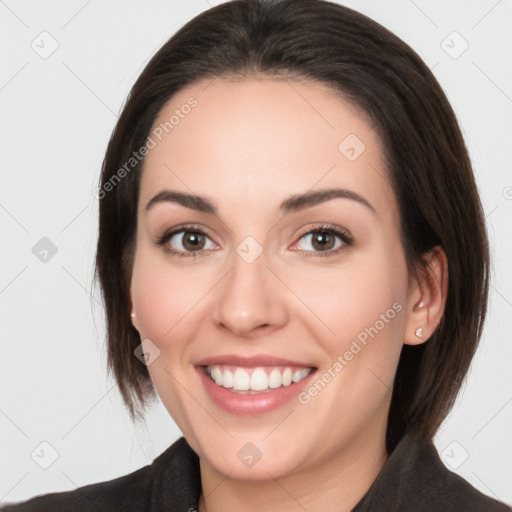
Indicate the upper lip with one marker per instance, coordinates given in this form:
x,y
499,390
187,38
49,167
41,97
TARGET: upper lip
x,y
250,361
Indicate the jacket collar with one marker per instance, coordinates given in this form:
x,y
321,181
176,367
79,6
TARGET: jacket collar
x,y
413,479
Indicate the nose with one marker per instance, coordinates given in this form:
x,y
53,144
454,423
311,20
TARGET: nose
x,y
250,300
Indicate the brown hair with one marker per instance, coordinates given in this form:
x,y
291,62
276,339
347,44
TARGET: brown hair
x,y
427,162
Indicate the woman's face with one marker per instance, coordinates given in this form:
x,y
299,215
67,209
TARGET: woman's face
x,y
256,286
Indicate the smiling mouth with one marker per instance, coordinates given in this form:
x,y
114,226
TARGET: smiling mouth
x,y
261,379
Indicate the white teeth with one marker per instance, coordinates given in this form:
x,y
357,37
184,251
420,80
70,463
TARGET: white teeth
x,y
287,377
217,375
256,379
259,380
227,379
296,375
274,379
241,380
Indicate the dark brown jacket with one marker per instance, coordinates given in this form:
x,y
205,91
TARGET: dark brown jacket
x,y
414,479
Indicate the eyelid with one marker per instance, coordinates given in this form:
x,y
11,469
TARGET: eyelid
x,y
322,226
162,239
341,233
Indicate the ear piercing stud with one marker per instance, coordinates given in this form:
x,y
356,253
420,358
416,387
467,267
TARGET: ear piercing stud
x,y
419,332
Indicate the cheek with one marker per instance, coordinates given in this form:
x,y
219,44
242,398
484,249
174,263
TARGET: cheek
x,y
167,301
363,295
164,297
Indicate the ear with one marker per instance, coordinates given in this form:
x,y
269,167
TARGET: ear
x,y
132,313
134,320
427,297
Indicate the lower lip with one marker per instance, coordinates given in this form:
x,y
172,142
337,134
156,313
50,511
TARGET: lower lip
x,y
251,404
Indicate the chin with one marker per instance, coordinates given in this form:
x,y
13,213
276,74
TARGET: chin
x,y
243,459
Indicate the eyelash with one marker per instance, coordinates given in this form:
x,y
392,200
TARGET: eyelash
x,y
344,235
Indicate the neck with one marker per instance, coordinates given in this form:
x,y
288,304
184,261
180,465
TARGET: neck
x,y
339,481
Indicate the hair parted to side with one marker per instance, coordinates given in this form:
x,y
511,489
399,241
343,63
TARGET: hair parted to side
x,y
427,163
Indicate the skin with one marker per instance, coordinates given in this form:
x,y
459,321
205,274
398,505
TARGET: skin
x,y
248,145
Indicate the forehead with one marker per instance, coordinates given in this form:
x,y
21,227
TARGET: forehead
x,y
255,141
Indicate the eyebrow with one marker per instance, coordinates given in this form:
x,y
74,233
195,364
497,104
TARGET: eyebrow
x,y
292,204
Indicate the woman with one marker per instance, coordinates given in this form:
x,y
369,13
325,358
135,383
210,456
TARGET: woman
x,y
283,206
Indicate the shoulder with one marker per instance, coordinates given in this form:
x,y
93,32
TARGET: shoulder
x,y
128,493
448,489
113,494
415,479
456,494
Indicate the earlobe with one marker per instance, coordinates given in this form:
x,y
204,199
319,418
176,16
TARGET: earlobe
x,y
133,315
134,320
427,298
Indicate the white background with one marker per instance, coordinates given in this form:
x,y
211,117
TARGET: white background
x,y
56,118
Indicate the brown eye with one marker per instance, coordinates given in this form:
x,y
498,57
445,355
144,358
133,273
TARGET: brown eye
x,y
185,241
320,241
191,241
324,241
